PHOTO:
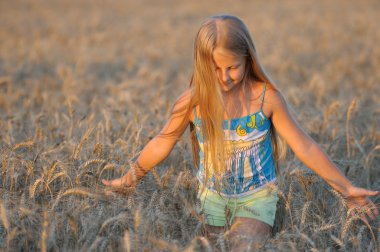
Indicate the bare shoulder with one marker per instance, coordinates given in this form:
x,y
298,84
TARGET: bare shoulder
x,y
273,100
185,97
182,102
274,96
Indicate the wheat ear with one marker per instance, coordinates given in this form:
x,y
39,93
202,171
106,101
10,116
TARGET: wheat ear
x,y
82,142
163,245
4,217
73,191
26,144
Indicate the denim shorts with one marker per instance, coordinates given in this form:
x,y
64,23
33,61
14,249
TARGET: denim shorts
x,y
219,210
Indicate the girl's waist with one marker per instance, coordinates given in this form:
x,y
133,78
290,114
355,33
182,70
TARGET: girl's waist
x,y
269,184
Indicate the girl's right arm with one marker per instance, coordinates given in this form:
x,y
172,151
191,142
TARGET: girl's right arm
x,y
159,147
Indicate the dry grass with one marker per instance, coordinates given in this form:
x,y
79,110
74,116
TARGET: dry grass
x,y
85,84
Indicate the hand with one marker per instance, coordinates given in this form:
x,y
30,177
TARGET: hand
x,y
359,203
128,180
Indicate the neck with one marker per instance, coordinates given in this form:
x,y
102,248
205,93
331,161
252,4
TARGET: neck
x,y
234,94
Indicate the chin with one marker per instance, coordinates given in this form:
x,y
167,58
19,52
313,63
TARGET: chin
x,y
227,88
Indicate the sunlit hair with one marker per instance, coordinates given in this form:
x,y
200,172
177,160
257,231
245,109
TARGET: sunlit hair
x,y
230,33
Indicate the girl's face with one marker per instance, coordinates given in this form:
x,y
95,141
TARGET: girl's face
x,y
229,68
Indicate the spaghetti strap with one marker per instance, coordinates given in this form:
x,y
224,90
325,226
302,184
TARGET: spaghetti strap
x,y
195,114
262,97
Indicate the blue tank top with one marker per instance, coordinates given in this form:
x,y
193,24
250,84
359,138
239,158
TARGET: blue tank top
x,y
250,165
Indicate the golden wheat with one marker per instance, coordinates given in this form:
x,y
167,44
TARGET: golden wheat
x,y
4,217
347,226
51,170
137,219
205,244
127,241
45,225
165,180
119,217
163,245
73,191
326,227
350,110
83,141
27,144
92,161
157,177
191,210
34,187
4,170
305,210
338,242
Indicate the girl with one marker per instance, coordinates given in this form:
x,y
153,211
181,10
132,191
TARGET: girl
x,y
235,112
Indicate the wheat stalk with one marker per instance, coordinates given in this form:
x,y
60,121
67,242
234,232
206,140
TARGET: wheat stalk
x,y
232,230
205,243
111,220
304,212
108,120
72,223
191,209
107,167
338,242
4,217
157,177
100,133
306,238
73,191
95,245
178,183
360,235
347,226
25,212
163,245
350,110
137,219
288,202
127,241
4,170
83,141
44,232
167,175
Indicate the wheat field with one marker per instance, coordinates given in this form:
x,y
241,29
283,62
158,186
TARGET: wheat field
x,y
84,85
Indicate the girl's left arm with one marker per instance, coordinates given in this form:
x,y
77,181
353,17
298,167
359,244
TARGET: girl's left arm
x,y
309,152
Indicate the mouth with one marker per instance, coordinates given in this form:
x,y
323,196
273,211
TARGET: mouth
x,y
227,84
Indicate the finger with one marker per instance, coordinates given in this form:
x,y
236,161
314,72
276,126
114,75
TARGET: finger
x,y
106,182
352,213
371,193
373,208
370,214
364,219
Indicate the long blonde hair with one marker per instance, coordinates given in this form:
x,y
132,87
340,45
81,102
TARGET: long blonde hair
x,y
230,33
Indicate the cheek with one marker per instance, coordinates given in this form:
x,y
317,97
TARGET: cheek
x,y
238,75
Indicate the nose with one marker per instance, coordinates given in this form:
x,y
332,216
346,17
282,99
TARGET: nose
x,y
225,76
